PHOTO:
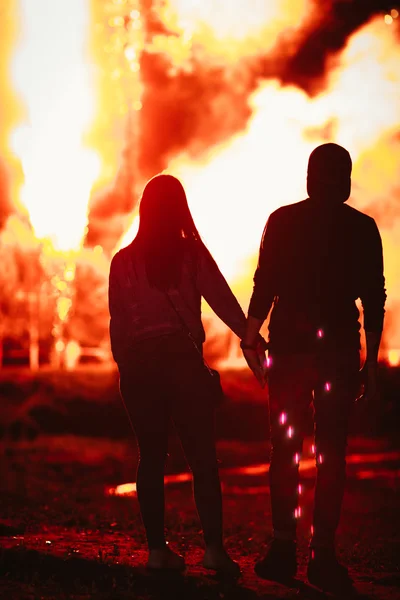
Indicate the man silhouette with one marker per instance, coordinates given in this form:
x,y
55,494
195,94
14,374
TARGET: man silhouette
x,y
316,258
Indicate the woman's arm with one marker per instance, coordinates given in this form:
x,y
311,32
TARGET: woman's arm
x,y
214,288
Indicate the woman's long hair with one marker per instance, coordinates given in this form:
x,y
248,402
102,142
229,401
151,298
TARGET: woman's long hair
x,y
166,230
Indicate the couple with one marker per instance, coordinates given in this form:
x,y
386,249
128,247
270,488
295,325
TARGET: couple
x,y
316,258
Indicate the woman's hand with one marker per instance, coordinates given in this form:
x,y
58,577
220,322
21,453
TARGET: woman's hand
x,y
256,360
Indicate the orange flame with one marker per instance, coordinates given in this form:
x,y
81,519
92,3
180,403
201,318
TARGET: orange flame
x,y
227,32
234,187
51,73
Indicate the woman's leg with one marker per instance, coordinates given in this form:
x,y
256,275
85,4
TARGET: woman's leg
x,y
193,416
194,420
149,415
195,426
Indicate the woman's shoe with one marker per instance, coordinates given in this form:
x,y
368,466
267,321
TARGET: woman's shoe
x,y
217,559
279,564
165,559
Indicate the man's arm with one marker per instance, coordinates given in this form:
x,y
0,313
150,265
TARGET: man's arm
x,y
372,290
373,297
117,324
261,301
264,288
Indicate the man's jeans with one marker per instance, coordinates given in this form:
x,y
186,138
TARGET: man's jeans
x,y
330,382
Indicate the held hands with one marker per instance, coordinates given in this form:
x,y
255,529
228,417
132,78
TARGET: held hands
x,y
254,346
369,383
256,359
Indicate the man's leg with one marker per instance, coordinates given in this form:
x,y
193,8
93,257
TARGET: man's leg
x,y
290,387
334,395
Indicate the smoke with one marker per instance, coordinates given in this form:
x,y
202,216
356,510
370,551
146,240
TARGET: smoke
x,y
196,109
304,58
109,216
194,106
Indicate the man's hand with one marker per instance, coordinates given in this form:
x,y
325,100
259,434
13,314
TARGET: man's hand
x,y
256,360
369,379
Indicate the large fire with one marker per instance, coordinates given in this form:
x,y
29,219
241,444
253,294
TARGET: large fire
x,y
54,81
79,71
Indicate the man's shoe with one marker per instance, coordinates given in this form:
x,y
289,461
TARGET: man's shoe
x,y
280,562
324,571
165,559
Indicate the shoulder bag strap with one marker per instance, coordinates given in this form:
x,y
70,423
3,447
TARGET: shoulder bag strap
x,y
189,333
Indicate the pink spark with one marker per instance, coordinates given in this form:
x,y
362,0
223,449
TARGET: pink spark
x,y
312,529
313,449
297,512
297,458
268,362
328,386
300,489
320,333
282,418
320,459
290,431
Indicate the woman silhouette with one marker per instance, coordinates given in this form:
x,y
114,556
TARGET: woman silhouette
x,y
155,286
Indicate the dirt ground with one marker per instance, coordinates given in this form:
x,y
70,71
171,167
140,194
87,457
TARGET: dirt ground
x,y
63,536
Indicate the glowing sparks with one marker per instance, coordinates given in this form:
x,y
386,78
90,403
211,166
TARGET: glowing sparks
x,y
297,458
298,512
299,489
290,432
320,459
282,418
313,449
328,386
320,333
268,362
54,84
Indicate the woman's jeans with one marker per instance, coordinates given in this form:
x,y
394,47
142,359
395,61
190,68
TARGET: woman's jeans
x,y
330,382
164,379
